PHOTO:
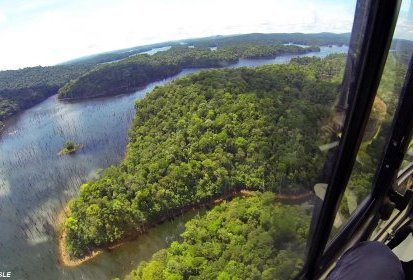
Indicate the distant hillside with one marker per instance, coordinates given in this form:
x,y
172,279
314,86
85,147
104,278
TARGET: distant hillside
x,y
404,50
38,76
116,55
21,89
320,39
130,74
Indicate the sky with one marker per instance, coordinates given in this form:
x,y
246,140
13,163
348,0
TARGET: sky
x,y
47,32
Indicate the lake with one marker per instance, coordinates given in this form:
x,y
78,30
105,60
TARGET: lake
x,y
36,183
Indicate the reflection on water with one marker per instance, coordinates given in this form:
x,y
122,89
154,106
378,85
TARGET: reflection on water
x,y
36,183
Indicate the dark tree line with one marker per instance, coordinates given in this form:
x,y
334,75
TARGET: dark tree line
x,y
21,89
135,72
318,39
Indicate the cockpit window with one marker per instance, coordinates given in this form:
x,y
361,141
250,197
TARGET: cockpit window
x,y
380,121
203,153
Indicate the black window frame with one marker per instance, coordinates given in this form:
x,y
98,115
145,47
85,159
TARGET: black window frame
x,y
380,19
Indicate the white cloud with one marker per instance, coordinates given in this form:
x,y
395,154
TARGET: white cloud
x,y
78,28
404,29
3,17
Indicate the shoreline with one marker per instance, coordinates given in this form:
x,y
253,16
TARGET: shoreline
x,y
66,261
64,258
220,65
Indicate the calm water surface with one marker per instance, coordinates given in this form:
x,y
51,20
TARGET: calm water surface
x,y
36,183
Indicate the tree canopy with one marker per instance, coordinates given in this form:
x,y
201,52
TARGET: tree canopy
x,y
21,89
246,238
319,39
203,136
137,71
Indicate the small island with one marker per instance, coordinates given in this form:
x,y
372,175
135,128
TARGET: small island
x,y
69,147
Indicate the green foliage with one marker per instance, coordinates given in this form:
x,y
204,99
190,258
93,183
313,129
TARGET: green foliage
x,y
203,136
69,145
224,41
21,89
137,71
40,76
319,39
249,238
116,55
246,50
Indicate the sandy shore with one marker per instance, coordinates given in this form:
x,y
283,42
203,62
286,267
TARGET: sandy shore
x,y
64,257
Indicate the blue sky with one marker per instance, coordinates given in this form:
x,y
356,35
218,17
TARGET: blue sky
x,y
46,32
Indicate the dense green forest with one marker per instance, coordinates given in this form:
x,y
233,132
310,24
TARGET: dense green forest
x,y
21,89
206,135
318,39
246,238
140,70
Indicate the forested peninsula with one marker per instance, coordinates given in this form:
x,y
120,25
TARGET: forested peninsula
x,y
254,237
246,238
138,71
206,135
